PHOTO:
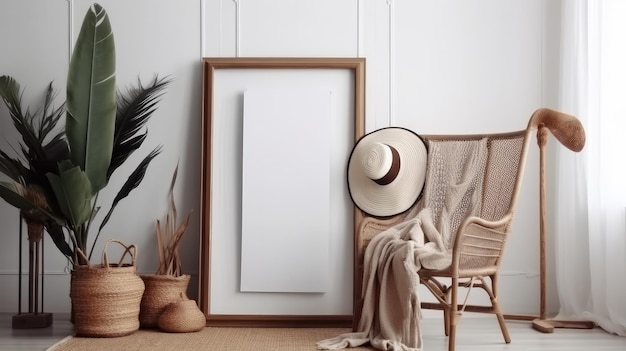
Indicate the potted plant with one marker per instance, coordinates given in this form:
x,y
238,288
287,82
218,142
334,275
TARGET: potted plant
x,y
165,303
40,144
66,169
66,172
169,284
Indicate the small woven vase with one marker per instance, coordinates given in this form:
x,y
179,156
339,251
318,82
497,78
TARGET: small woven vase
x,y
161,290
182,317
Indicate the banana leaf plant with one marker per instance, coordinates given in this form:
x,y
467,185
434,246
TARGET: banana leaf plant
x,y
103,127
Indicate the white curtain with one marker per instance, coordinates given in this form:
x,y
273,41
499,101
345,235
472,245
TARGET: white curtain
x,y
590,224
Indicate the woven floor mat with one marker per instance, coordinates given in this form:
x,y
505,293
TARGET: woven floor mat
x,y
231,339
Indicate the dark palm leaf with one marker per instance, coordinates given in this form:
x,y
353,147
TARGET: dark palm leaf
x,y
134,109
131,183
41,150
123,151
16,195
35,131
54,152
58,237
43,145
12,168
50,118
10,93
23,121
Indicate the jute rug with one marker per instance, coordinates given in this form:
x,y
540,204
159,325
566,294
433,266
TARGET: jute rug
x,y
226,339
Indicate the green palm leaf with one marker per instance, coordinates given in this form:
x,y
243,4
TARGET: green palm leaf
x,y
73,192
91,105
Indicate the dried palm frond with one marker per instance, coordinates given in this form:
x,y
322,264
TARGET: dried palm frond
x,y
169,236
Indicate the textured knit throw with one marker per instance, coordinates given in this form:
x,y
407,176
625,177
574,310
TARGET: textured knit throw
x,y
391,313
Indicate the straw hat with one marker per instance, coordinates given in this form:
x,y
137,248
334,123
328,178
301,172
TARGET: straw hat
x,y
387,170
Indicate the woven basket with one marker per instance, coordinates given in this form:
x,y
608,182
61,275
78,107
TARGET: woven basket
x,y
161,290
106,297
183,316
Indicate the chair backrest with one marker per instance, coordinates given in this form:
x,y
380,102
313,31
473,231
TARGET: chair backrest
x,y
482,248
505,162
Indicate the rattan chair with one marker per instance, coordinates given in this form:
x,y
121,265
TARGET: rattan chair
x,y
480,240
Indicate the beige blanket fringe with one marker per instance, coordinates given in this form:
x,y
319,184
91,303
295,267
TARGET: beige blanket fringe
x,y
391,313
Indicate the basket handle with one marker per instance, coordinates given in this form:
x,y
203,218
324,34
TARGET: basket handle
x,y
79,252
130,250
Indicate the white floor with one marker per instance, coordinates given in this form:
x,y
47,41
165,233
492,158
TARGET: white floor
x,y
474,333
483,333
33,339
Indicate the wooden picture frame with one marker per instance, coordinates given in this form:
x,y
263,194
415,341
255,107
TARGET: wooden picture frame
x,y
211,66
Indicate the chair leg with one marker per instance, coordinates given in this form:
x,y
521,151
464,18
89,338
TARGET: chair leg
x,y
503,328
455,316
505,331
446,321
493,295
453,313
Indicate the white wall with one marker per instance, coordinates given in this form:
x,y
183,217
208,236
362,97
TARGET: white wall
x,y
432,66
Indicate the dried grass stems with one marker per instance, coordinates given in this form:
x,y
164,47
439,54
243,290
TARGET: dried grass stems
x,y
168,237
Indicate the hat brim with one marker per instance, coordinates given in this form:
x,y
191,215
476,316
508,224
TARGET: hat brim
x,y
404,191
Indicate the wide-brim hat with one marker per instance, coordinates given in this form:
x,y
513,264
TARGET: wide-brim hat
x,y
387,171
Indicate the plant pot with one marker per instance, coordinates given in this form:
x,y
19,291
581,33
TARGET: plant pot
x,y
161,290
106,297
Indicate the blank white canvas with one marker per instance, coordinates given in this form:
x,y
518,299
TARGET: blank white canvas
x,y
286,190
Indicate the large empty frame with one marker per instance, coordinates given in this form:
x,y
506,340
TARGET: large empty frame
x,y
220,186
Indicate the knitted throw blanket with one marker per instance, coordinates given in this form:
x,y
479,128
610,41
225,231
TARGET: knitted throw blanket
x,y
391,313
